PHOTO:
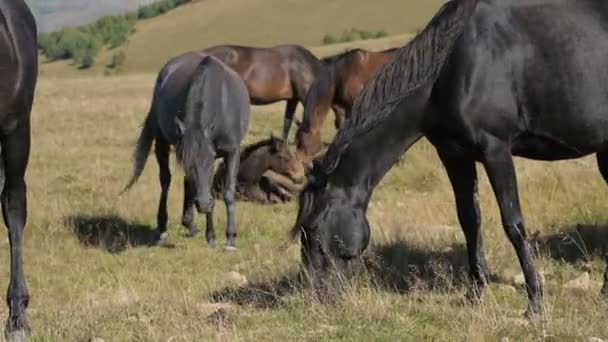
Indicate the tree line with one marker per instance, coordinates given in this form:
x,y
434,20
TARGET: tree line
x,y
82,44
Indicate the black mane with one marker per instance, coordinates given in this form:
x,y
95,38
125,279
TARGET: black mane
x,y
414,66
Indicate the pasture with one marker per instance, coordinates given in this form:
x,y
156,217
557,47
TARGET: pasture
x,y
91,274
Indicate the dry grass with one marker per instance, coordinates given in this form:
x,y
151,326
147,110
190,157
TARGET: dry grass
x,y
256,22
90,273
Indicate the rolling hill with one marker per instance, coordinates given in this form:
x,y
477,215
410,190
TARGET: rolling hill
x,y
257,22
52,15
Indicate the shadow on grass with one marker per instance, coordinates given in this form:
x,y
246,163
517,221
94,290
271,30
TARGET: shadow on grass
x,y
110,232
402,267
398,267
264,295
574,244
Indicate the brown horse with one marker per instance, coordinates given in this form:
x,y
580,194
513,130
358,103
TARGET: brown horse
x,y
268,173
278,73
340,81
19,70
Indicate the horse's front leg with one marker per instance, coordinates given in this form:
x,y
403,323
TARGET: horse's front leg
x,y
499,166
189,212
463,177
162,150
15,155
340,114
232,167
290,111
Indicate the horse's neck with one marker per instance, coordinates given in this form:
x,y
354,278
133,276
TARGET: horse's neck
x,y
320,100
371,155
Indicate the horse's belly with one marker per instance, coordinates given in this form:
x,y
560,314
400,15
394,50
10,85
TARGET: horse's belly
x,y
539,147
270,87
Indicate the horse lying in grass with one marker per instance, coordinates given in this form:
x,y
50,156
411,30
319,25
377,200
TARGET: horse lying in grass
x,y
268,173
205,114
484,81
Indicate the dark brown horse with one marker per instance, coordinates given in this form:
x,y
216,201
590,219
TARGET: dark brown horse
x,y
279,73
268,173
19,68
340,81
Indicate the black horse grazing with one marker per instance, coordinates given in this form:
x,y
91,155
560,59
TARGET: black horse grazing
x,y
205,114
19,70
482,82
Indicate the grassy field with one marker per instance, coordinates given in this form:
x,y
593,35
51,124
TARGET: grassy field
x,y
255,22
90,272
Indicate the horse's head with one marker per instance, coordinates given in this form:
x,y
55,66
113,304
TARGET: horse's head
x,y
308,142
196,153
332,226
282,161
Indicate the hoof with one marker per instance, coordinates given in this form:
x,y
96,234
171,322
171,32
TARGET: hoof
x,y
535,312
473,297
17,330
162,239
192,233
230,249
18,336
211,243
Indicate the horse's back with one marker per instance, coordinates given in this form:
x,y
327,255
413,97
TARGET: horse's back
x,y
273,73
225,100
534,72
18,57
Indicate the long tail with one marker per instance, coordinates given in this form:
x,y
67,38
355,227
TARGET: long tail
x,y
417,64
142,149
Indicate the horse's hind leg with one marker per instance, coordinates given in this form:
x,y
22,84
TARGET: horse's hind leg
x,y
162,156
232,168
463,177
188,213
15,154
602,163
499,166
290,110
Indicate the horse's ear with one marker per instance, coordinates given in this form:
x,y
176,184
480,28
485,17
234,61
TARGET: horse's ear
x,y
273,136
180,126
276,141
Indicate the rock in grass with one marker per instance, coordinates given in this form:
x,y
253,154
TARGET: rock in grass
x,y
234,278
519,279
219,314
96,339
581,282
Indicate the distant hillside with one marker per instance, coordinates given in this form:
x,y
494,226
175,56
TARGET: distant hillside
x,y
257,22
52,15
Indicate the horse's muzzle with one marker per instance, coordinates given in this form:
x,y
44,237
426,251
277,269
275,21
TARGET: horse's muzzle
x,y
204,206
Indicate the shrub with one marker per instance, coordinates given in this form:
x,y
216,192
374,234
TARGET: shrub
x,y
118,59
82,44
352,35
329,39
